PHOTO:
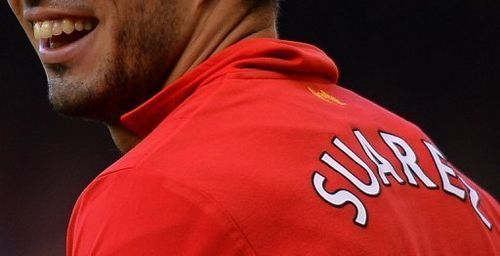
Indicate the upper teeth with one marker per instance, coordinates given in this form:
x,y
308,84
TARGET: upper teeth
x,y
47,29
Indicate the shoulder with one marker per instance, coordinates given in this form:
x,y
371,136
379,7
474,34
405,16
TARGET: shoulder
x,y
135,210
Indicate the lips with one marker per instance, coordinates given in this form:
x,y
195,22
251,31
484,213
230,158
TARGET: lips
x,y
63,36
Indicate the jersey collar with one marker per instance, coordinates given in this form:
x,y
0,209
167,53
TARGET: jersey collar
x,y
258,53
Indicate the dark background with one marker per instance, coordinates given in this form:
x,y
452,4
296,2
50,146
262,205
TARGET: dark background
x,y
435,63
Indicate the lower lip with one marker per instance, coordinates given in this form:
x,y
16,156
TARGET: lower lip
x,y
68,53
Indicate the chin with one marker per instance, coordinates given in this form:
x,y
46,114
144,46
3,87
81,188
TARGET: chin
x,y
83,110
78,99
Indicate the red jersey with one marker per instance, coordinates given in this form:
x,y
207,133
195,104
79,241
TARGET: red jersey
x,y
258,151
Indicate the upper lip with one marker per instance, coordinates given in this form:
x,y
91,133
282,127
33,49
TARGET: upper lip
x,y
54,13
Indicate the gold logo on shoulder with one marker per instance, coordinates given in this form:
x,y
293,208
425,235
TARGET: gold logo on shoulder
x,y
325,96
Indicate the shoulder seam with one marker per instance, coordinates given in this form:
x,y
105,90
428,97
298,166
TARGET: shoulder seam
x,y
227,215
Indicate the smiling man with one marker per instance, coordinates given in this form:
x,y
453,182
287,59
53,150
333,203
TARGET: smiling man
x,y
238,143
96,53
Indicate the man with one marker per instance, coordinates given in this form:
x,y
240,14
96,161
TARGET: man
x,y
238,143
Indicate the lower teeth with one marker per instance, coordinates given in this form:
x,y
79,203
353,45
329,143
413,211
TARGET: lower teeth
x,y
53,45
64,39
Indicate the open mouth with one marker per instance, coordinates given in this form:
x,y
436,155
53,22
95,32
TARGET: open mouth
x,y
53,34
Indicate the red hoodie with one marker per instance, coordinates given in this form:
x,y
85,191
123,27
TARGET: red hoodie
x,y
258,152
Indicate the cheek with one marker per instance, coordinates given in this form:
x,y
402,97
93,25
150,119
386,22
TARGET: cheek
x,y
17,8
15,5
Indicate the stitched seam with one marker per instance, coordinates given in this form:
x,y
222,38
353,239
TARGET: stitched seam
x,y
238,72
114,171
228,216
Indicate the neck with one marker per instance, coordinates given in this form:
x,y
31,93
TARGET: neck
x,y
219,25
224,23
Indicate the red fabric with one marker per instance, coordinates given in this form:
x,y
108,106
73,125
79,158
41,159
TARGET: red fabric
x,y
228,162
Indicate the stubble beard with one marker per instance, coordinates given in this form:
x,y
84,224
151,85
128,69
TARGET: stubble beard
x,y
123,79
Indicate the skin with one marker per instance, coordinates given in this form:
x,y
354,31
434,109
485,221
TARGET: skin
x,y
140,47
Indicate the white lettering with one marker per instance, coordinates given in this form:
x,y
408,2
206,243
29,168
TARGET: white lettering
x,y
445,171
371,189
408,159
410,166
384,167
474,200
340,198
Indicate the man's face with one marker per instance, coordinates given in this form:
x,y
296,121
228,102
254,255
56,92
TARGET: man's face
x,y
103,57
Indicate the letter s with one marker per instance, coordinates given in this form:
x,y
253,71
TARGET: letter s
x,y
340,198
